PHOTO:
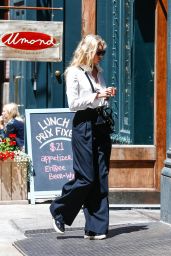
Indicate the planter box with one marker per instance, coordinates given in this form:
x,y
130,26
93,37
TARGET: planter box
x,y
13,181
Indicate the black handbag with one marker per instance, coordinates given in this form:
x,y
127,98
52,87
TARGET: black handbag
x,y
105,117
105,114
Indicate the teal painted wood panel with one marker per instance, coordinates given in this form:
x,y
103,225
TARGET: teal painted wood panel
x,y
129,65
143,71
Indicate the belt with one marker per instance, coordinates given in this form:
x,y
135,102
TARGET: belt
x,y
89,114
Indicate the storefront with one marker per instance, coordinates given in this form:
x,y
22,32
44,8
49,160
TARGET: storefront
x,y
135,62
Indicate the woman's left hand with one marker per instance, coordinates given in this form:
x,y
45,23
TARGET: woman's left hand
x,y
112,91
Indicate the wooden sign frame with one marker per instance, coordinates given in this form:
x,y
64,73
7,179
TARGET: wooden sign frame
x,y
46,36
32,147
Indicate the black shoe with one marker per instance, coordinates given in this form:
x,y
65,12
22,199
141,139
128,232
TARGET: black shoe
x,y
59,226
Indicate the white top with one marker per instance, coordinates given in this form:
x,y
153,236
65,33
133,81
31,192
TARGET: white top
x,y
79,91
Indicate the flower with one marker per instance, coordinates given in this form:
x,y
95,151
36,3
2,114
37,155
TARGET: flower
x,y
20,156
9,150
7,155
12,135
12,143
23,160
7,147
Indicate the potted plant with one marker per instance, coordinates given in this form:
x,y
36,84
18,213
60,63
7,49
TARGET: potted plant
x,y
14,170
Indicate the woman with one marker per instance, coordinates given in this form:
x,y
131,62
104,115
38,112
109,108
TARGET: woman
x,y
13,124
87,94
1,128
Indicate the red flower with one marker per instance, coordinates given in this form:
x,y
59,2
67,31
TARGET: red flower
x,y
12,135
11,155
7,147
12,143
6,155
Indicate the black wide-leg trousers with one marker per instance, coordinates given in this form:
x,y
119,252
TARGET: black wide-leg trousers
x,y
91,155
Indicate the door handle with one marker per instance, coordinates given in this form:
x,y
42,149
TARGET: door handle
x,y
58,76
57,73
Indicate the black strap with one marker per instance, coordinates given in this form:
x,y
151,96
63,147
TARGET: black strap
x,y
92,87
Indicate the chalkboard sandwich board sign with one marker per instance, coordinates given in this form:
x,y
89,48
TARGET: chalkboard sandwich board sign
x,y
49,133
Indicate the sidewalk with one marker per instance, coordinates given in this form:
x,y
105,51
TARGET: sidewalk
x,y
34,221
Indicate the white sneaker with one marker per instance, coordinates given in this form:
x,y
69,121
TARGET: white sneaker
x,y
87,237
98,237
93,236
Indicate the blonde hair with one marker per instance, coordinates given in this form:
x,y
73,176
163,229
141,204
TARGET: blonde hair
x,y
12,109
86,50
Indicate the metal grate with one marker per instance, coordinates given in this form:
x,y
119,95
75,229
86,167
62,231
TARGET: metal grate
x,y
134,240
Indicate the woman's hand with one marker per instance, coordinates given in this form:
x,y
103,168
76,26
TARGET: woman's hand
x,y
112,90
106,93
